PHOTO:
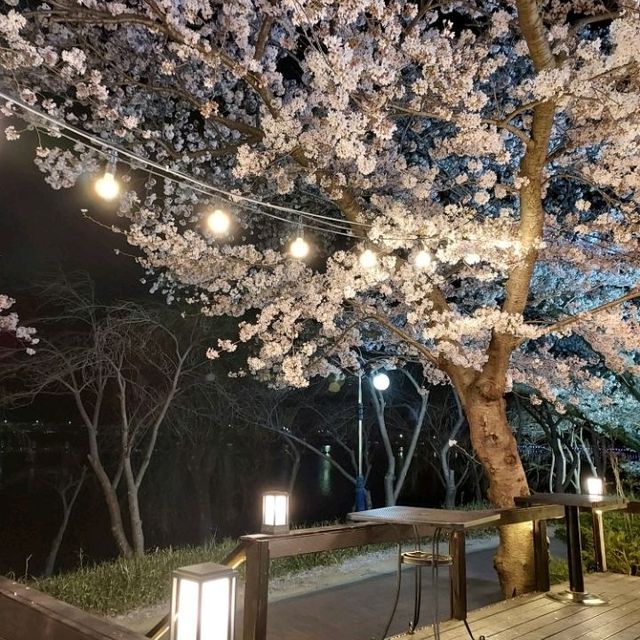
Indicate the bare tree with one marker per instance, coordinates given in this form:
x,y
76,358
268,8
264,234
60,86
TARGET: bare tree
x,y
123,366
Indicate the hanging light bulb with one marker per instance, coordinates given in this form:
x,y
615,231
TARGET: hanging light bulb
x,y
299,248
107,187
368,259
219,222
422,259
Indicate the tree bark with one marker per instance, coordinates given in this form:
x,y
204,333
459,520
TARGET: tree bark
x,y
496,448
133,502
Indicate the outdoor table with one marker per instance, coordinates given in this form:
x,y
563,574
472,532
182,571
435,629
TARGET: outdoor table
x,y
572,503
455,522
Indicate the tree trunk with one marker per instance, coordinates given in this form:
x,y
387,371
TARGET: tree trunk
x,y
133,502
113,507
496,448
450,489
67,506
201,467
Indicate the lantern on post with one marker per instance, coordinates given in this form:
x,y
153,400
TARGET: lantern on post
x,y
275,512
203,602
595,486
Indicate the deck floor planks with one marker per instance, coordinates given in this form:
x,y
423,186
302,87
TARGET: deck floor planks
x,y
536,617
625,628
587,619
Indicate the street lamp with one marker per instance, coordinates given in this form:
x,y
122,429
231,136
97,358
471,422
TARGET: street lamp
x,y
381,383
275,512
203,602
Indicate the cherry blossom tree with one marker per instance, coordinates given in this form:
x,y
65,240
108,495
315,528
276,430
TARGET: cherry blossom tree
x,y
10,325
485,154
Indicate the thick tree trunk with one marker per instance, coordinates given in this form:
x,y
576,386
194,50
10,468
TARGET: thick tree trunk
x,y
496,448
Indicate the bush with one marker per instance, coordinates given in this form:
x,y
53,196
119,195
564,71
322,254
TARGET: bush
x,y
622,542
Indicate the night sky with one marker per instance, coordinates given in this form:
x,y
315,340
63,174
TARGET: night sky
x,y
43,231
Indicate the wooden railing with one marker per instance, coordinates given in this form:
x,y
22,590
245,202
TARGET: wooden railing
x,y
27,614
258,550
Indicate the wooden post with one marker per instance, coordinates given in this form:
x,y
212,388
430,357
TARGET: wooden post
x,y
458,575
541,555
256,591
599,548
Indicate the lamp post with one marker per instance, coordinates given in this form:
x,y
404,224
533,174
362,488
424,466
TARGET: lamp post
x,y
381,383
594,486
203,602
361,501
275,512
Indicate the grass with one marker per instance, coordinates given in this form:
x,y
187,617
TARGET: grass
x,y
121,585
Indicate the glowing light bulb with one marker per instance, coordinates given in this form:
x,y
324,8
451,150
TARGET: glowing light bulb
x,y
381,381
422,259
107,187
219,222
299,248
368,259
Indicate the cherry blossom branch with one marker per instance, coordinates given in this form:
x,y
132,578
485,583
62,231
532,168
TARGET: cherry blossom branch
x,y
493,376
561,324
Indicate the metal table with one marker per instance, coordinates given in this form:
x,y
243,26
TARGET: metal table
x,y
572,503
455,522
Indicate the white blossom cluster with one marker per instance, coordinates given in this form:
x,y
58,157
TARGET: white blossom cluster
x,y
10,323
407,129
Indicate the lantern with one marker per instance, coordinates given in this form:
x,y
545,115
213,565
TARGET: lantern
x,y
594,486
203,602
275,512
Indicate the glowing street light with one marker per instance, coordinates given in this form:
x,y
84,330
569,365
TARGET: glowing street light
x,y
107,187
203,602
381,381
219,222
275,512
299,248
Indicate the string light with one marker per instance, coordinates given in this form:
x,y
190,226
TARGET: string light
x,y
299,248
368,259
324,223
219,222
422,259
107,187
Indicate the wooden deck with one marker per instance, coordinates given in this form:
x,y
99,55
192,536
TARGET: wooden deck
x,y
536,617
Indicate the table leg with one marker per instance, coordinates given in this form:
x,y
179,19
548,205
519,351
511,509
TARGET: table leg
x,y
576,593
599,548
574,549
458,575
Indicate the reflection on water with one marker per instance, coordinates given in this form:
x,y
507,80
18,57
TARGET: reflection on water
x,y
324,477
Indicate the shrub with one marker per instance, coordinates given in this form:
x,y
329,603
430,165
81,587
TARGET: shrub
x,y
622,542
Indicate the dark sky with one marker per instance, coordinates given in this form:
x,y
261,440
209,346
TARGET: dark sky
x,y
43,230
